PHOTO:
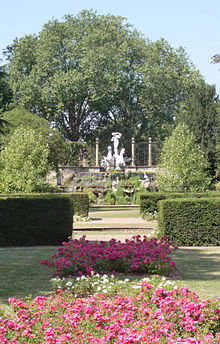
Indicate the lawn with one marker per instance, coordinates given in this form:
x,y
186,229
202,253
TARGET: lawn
x,y
22,274
114,212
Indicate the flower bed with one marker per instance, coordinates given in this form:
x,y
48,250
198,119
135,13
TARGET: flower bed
x,y
80,257
149,316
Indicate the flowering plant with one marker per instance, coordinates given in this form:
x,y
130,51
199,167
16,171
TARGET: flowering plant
x,y
151,316
81,257
85,286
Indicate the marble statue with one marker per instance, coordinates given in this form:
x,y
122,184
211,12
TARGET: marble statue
x,y
117,159
115,138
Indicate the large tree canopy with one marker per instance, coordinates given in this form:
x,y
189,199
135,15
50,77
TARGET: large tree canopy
x,y
91,74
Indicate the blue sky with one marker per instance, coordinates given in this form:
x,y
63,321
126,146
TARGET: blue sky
x,y
193,24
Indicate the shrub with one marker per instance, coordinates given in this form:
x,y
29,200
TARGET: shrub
x,y
24,162
35,221
149,201
80,203
78,257
190,222
79,200
151,316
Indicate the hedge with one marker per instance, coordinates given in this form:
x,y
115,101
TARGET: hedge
x,y
35,221
190,222
79,200
149,201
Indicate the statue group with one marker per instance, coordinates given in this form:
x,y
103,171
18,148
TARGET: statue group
x,y
117,159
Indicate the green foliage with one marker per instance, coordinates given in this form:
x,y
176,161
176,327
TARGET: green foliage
x,y
80,203
61,150
190,222
199,112
35,220
149,201
24,162
110,197
182,166
5,91
93,74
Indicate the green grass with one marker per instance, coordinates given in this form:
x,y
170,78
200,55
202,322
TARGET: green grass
x,y
128,212
22,274
200,269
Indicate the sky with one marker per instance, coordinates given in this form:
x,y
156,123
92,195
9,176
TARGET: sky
x,y
192,24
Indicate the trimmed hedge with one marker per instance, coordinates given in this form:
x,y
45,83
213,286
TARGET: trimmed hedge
x,y
149,201
80,203
79,200
190,222
35,221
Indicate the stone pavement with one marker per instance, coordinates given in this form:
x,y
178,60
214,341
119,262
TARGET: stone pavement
x,y
114,223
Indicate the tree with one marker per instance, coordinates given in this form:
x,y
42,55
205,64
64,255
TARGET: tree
x,y
60,148
216,58
93,74
199,112
5,91
182,166
24,162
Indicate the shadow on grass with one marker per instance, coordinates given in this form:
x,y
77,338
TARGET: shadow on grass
x,y
199,264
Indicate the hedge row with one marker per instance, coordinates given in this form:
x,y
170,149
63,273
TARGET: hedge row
x,y
190,222
80,201
35,221
149,201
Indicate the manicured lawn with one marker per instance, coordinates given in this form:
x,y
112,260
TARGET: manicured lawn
x,y
127,212
200,269
22,274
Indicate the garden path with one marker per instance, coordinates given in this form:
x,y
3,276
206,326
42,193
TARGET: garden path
x,y
120,222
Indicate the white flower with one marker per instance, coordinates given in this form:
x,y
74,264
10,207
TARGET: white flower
x,y
126,280
112,276
99,288
163,278
105,291
69,284
82,277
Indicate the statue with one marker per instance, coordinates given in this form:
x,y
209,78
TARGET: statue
x,y
115,138
146,181
108,161
117,160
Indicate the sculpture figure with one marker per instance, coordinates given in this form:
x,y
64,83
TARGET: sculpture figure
x,y
115,138
117,160
108,161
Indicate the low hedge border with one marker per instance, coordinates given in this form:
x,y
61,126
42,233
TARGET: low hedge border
x,y
190,222
149,201
35,221
79,200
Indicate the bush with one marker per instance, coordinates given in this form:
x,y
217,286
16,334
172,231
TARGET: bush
x,y
149,201
152,315
79,200
35,221
78,257
24,162
80,203
190,222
